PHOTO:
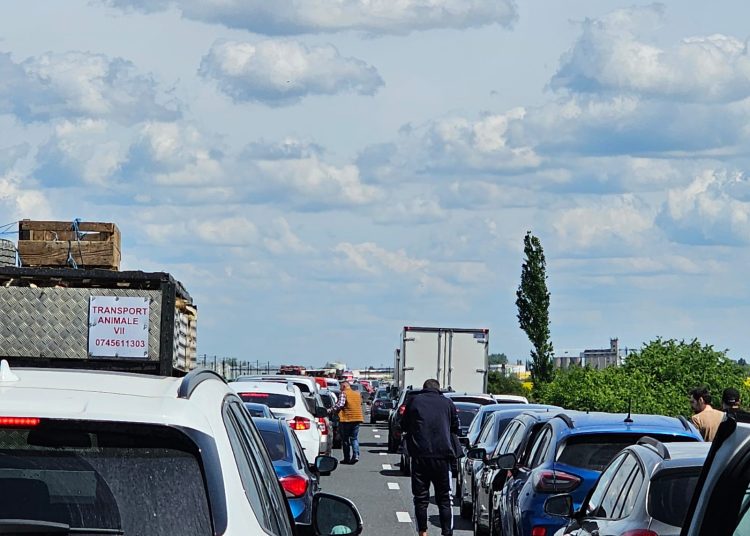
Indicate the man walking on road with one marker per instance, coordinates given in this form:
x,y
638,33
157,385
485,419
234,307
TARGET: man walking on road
x,y
349,407
705,418
428,422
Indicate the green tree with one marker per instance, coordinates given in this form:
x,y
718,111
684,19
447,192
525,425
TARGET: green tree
x,y
654,380
532,300
498,384
498,359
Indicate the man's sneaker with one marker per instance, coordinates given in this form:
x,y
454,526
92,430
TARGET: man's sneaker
x,y
354,460
346,461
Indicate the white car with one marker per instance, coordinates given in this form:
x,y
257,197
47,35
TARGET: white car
x,y
286,402
96,452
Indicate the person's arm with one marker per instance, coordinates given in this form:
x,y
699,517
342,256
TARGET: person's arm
x,y
341,402
455,424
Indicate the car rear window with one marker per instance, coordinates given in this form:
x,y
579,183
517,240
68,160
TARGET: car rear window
x,y
132,478
465,417
275,444
595,451
669,495
272,400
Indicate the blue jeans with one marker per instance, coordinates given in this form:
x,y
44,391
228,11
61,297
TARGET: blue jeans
x,y
349,439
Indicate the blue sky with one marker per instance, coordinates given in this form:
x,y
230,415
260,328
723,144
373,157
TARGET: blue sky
x,y
319,173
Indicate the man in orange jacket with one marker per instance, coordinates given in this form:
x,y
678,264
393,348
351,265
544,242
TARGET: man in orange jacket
x,y
349,407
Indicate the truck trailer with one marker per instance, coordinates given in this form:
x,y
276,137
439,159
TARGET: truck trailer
x,y
72,318
456,357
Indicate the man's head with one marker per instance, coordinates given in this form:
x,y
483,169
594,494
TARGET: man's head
x,y
431,384
700,397
344,385
730,398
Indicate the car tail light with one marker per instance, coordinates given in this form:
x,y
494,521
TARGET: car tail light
x,y
402,409
300,423
639,532
294,486
539,531
377,403
555,481
21,422
322,426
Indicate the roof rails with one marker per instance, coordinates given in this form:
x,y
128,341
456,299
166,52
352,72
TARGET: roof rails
x,y
194,378
566,419
685,423
658,447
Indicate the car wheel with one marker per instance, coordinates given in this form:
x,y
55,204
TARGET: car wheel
x,y
373,419
479,530
466,509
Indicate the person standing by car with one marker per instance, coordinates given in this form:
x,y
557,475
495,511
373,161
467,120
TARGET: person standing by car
x,y
349,407
730,403
428,422
705,417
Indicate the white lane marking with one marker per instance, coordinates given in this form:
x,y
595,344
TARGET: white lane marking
x,y
403,517
374,431
383,453
376,436
393,485
387,467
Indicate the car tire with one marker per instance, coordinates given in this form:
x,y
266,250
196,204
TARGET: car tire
x,y
466,510
373,419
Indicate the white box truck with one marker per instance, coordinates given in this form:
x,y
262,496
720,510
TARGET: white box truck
x,y
455,357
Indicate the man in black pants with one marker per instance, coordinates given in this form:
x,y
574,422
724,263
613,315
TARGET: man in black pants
x,y
428,422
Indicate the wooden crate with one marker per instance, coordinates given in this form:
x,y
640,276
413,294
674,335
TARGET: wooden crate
x,y
51,243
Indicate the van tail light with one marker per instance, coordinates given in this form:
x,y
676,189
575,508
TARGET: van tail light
x,y
300,423
555,481
322,426
294,485
19,422
539,531
402,409
639,532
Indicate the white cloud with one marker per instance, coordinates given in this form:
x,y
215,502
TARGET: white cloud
x,y
281,239
616,221
173,154
370,258
78,85
713,209
282,72
79,152
411,210
19,201
289,17
612,56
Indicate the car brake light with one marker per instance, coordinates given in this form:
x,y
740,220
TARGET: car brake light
x,y
300,423
539,531
322,426
639,532
555,481
253,395
402,409
294,486
21,422
377,403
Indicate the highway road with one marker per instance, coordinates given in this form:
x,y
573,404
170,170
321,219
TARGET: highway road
x,y
381,492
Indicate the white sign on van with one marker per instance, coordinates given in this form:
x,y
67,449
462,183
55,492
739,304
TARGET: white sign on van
x,y
118,326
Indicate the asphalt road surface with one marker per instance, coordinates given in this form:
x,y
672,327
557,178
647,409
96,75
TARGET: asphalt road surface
x,y
381,492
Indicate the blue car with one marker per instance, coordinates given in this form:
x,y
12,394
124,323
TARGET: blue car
x,y
299,480
567,456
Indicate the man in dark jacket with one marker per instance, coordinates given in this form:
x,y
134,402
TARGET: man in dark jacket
x,y
428,422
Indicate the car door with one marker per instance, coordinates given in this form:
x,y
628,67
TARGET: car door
x,y
485,475
256,471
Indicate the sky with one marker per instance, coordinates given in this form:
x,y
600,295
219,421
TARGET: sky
x,y
320,173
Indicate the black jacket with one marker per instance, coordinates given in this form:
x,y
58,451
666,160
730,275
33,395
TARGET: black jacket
x,y
428,422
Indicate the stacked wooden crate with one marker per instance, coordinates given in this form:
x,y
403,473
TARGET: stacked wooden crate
x,y
58,244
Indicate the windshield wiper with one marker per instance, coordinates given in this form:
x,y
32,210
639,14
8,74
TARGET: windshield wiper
x,y
33,526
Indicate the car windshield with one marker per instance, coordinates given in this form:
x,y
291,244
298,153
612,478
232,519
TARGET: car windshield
x,y
595,451
382,394
272,400
115,477
275,444
669,495
465,417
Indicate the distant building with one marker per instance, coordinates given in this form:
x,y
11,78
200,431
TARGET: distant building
x,y
596,358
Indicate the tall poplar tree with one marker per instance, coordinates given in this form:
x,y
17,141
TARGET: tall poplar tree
x,y
532,300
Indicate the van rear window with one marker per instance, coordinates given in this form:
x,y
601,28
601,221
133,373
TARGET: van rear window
x,y
132,478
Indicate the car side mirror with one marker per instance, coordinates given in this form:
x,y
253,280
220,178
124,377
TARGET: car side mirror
x,y
559,505
332,515
325,465
476,454
505,462
321,412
